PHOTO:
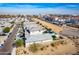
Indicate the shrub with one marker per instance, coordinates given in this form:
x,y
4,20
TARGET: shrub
x,y
33,47
60,37
19,42
6,29
49,29
45,32
42,48
63,42
37,23
52,44
47,45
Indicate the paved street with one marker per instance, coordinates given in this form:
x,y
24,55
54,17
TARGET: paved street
x,y
68,31
9,41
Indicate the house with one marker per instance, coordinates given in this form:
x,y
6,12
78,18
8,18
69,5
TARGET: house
x,y
35,33
33,28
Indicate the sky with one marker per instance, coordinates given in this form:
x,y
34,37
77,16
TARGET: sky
x,y
39,8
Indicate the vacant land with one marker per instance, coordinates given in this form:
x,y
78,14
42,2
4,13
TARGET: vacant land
x,y
58,47
73,34
54,28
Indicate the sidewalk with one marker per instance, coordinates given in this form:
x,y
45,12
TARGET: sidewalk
x,y
13,51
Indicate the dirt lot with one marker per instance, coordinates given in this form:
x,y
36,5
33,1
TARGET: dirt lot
x,y
54,27
73,34
59,47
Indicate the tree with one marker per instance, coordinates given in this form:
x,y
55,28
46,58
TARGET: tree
x,y
6,29
54,37
19,42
